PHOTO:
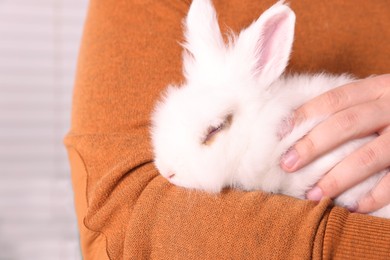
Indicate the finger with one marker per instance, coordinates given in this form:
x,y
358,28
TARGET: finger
x,y
355,168
342,97
384,130
377,198
352,123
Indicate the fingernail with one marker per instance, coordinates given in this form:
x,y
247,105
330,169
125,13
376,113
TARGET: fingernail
x,y
353,208
290,159
315,194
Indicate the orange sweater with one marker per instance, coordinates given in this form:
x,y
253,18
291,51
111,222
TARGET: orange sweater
x,y
129,53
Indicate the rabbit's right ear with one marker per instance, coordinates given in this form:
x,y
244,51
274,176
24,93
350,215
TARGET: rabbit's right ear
x,y
203,40
266,44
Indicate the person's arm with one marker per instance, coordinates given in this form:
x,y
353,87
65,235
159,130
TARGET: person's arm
x,y
126,210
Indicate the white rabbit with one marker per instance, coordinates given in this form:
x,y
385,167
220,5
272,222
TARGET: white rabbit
x,y
219,129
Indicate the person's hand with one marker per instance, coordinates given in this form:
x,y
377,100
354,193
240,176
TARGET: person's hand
x,y
356,110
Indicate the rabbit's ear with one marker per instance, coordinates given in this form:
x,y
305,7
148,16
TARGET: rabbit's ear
x,y
267,43
203,39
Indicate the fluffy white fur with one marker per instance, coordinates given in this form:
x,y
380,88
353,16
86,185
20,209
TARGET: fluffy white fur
x,y
244,79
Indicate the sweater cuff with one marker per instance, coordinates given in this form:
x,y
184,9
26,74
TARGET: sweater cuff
x,y
356,236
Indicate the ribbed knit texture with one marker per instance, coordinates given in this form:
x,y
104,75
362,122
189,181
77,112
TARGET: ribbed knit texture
x,y
356,236
130,52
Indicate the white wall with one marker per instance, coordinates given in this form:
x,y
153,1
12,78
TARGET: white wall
x,y
39,42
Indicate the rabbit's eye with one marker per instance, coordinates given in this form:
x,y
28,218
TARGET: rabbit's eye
x,y
212,131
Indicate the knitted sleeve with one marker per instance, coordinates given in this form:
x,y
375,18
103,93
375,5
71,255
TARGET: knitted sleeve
x,y
130,51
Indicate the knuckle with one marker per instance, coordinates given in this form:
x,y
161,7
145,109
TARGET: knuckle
x,y
348,121
367,157
335,98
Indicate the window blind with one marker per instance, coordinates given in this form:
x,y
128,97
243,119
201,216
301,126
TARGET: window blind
x,y
39,42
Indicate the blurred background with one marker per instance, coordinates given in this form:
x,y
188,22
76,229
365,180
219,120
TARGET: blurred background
x,y
39,42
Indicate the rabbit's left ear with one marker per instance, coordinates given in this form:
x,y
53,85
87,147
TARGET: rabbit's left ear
x,y
204,41
266,44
